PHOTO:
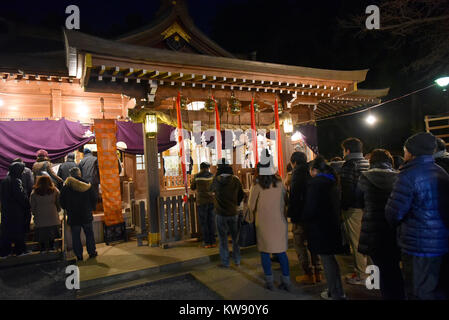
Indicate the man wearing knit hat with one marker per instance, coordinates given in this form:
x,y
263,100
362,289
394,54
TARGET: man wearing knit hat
x,y
419,206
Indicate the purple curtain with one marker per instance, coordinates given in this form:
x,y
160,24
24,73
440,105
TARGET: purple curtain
x,y
22,139
131,133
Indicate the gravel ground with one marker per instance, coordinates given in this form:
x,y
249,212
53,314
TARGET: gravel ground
x,y
44,281
184,287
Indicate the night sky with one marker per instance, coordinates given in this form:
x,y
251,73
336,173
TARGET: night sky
x,y
303,33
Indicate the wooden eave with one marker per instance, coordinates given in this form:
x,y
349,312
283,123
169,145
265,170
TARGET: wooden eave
x,y
117,65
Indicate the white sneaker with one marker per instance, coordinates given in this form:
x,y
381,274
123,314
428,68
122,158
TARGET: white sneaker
x,y
26,253
325,295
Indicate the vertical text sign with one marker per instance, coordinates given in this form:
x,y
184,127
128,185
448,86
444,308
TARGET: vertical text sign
x,y
373,20
72,21
73,280
372,281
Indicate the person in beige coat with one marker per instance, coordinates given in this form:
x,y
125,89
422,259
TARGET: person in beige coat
x,y
45,207
267,205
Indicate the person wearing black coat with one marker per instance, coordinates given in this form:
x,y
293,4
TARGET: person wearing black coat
x,y
351,210
310,263
64,169
79,200
89,170
377,237
27,178
321,216
15,212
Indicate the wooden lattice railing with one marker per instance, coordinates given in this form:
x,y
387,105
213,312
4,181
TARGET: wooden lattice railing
x,y
173,182
177,220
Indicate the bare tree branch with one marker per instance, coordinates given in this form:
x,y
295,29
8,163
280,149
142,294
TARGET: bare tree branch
x,y
424,22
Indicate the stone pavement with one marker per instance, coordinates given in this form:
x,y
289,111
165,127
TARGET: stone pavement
x,y
125,265
151,273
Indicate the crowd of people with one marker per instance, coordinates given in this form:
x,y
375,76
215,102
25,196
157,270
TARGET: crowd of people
x,y
390,212
41,194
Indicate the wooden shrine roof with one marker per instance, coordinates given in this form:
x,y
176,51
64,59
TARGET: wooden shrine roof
x,y
112,66
174,29
109,48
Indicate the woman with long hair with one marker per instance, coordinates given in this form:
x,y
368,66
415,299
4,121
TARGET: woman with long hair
x,y
45,207
321,216
267,203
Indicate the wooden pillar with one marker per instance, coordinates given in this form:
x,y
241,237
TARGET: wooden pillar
x,y
56,104
153,187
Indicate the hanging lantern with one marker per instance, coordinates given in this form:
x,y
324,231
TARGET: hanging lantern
x,y
234,105
288,124
209,105
256,107
150,125
184,102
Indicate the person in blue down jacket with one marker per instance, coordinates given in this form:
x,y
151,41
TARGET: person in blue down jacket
x,y
419,206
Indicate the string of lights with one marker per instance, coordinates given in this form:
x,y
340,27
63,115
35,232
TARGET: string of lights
x,y
377,105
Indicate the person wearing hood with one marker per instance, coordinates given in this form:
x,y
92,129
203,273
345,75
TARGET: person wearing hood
x,y
27,178
311,264
89,170
321,219
419,206
79,200
441,156
377,238
64,169
42,166
228,194
15,212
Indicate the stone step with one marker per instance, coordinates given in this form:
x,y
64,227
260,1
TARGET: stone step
x,y
34,246
32,258
169,268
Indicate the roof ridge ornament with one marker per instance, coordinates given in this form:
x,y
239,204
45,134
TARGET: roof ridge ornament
x,y
176,28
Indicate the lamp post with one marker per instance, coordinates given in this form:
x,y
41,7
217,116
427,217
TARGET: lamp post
x,y
288,125
152,175
442,82
150,125
371,120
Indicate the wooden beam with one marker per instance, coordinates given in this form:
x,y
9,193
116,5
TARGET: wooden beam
x,y
439,127
219,72
142,73
130,72
87,68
